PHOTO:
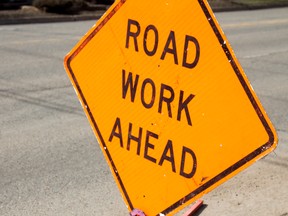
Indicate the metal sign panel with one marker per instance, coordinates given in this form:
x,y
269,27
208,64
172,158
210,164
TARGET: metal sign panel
x,y
168,101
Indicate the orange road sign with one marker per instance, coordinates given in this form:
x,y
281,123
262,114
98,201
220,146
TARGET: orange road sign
x,y
168,101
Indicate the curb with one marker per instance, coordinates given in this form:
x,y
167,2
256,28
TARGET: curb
x,y
241,7
49,18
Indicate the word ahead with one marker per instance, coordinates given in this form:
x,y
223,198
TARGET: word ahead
x,y
186,170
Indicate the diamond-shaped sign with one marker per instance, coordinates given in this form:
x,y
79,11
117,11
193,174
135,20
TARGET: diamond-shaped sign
x,y
168,101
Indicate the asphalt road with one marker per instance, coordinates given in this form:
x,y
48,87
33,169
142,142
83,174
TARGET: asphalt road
x,y
50,162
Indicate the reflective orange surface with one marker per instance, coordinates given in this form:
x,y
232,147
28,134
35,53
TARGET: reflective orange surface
x,y
169,103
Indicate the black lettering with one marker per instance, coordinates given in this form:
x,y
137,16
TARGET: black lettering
x,y
153,29
173,50
183,105
151,103
134,35
168,100
129,83
117,127
185,151
186,48
148,146
136,139
168,148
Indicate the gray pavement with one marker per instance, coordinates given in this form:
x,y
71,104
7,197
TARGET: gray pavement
x,y
50,161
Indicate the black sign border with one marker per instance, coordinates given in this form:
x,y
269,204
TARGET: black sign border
x,y
230,57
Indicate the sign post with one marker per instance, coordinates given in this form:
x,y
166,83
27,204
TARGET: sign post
x,y
169,103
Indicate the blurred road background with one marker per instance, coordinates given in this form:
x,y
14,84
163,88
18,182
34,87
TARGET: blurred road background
x,y
50,162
